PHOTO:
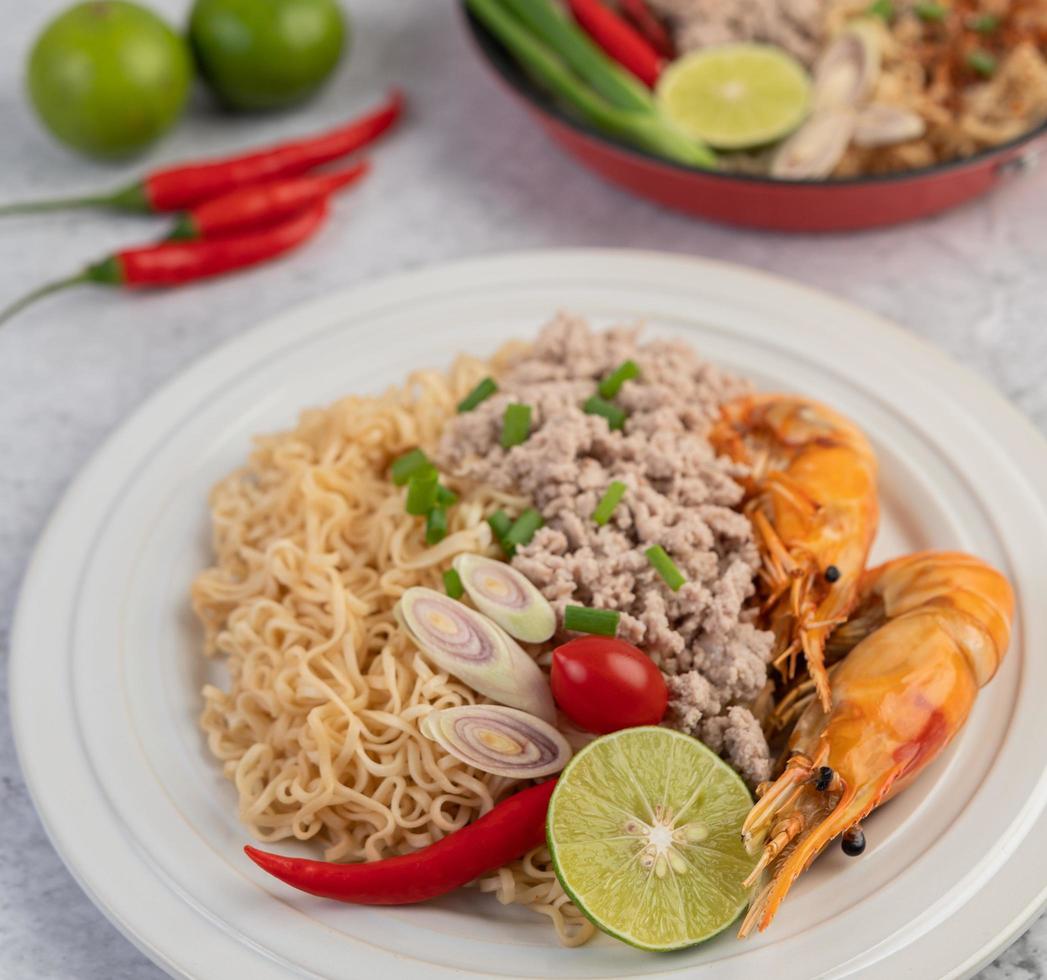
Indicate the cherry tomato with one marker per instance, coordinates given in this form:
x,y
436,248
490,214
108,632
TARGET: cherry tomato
x,y
604,685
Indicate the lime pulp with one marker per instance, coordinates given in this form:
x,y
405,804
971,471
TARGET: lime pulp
x,y
644,829
736,96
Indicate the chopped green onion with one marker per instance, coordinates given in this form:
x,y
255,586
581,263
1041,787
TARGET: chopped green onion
x,y
982,62
445,497
453,584
600,622
436,525
611,498
985,23
930,11
479,394
523,528
599,406
516,425
665,567
883,9
421,491
612,384
501,523
405,466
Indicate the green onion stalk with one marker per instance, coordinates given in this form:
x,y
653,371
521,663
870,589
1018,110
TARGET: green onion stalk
x,y
643,128
552,26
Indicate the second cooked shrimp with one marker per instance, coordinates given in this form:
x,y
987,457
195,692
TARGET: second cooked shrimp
x,y
811,496
929,630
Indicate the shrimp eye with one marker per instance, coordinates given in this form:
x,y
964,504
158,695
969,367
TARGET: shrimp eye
x,y
823,779
832,574
853,842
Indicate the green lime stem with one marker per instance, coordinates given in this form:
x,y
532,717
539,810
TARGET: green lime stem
x,y
46,290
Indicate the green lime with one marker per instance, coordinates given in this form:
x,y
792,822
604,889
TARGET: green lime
x,y
109,77
645,833
735,96
266,54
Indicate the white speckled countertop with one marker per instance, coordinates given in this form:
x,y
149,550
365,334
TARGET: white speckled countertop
x,y
468,175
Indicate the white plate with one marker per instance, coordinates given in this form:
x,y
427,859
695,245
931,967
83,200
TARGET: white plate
x,y
106,671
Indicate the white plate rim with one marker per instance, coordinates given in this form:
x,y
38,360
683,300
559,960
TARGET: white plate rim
x,y
272,334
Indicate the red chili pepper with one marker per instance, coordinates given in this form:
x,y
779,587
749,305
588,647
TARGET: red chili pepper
x,y
176,263
180,187
262,204
177,188
647,23
620,40
510,830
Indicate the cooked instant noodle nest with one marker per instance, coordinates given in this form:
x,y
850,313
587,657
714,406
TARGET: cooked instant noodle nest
x,y
318,726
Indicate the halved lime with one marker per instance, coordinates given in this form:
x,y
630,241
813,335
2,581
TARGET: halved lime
x,y
645,833
734,96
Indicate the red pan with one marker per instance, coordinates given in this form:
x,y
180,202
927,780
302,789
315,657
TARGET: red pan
x,y
763,202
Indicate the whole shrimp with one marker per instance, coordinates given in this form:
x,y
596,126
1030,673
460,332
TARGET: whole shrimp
x,y
811,496
928,631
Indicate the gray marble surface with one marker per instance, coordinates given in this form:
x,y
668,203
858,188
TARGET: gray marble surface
x,y
468,175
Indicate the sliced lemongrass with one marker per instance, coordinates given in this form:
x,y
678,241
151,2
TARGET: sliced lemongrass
x,y
612,384
611,498
405,466
599,622
523,529
453,584
499,740
470,646
478,395
508,597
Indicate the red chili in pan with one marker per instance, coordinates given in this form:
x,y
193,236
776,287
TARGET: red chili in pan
x,y
619,39
647,23
262,204
176,263
510,830
177,188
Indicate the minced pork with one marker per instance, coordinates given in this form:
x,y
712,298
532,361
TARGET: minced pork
x,y
680,495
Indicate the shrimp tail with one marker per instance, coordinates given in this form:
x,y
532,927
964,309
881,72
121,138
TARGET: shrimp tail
x,y
853,806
